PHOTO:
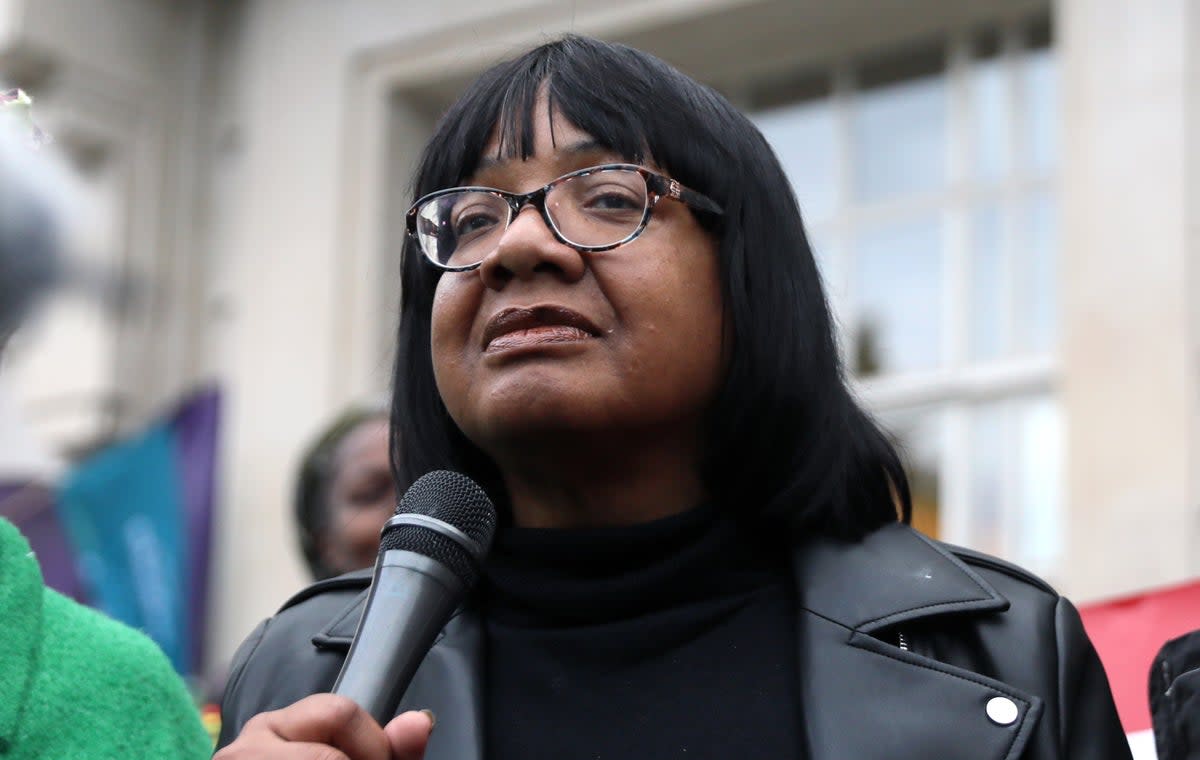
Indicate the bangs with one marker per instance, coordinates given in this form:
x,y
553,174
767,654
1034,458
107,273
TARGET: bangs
x,y
630,103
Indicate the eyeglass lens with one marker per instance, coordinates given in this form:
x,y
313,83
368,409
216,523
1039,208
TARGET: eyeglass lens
x,y
592,210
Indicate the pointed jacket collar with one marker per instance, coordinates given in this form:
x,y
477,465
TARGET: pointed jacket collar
x,y
895,574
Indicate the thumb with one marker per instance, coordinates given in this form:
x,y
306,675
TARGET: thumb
x,y
408,733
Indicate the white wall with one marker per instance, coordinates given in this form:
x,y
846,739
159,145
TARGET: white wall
x,y
1129,300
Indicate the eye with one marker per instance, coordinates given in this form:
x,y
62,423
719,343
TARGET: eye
x,y
613,198
614,201
474,221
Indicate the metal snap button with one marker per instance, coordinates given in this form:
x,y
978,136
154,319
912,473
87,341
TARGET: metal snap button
x,y
1002,711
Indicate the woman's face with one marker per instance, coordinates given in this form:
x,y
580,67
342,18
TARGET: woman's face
x,y
362,496
543,343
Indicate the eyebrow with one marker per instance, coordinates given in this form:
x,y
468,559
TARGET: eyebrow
x,y
577,148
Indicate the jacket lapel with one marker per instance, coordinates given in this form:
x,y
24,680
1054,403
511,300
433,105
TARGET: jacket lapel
x,y
863,696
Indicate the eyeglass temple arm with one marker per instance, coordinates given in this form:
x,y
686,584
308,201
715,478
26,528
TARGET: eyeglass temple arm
x,y
692,198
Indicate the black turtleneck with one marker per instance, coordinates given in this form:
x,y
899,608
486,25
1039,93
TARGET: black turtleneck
x,y
672,639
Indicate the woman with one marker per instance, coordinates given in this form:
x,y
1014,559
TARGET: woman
x,y
702,549
344,494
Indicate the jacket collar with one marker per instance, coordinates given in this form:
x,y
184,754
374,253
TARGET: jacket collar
x,y
892,576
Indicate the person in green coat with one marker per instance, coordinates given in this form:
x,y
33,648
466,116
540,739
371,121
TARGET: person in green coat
x,y
74,684
78,684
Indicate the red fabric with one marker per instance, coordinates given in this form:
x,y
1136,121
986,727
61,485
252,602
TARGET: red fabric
x,y
1128,632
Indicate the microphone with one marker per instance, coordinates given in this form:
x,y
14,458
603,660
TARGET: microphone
x,y
429,557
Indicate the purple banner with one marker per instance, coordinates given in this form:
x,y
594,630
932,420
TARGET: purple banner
x,y
195,425
30,506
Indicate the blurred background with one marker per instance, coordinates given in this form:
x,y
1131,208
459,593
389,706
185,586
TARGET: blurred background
x,y
1004,197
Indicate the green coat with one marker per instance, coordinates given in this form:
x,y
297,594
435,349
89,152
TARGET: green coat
x,y
77,684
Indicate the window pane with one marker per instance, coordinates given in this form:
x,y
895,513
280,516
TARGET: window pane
x,y
1040,88
898,284
1036,307
1039,484
804,137
899,139
987,478
990,119
1016,480
823,242
988,284
919,433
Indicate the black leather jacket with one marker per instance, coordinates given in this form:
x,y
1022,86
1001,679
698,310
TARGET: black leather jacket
x,y
908,648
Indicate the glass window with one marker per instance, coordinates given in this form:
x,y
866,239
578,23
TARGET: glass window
x,y
1015,480
990,119
898,282
919,434
1038,484
1039,85
946,287
1036,310
988,284
898,138
987,467
804,136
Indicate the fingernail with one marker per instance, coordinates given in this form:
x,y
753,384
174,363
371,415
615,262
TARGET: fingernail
x,y
432,719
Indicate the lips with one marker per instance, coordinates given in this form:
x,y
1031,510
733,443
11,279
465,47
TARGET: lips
x,y
536,325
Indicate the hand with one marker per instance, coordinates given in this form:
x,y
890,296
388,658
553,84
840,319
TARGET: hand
x,y
329,727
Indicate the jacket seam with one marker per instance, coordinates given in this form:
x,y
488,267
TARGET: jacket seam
x,y
1006,569
333,584
898,613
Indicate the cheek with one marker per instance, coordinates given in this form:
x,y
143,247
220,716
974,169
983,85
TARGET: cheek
x,y
451,320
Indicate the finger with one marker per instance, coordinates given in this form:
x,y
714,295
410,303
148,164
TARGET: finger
x,y
280,750
408,733
329,719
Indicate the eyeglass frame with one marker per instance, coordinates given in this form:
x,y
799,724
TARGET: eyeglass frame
x,y
658,186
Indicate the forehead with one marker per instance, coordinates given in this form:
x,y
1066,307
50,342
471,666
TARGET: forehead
x,y
364,437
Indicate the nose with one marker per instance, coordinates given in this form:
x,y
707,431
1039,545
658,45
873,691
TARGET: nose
x,y
528,248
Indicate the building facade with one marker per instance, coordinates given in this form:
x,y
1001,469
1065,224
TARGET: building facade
x,y
1004,197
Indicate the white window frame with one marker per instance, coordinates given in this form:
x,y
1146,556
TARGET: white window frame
x,y
958,384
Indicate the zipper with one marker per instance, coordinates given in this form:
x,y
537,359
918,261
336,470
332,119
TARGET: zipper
x,y
901,641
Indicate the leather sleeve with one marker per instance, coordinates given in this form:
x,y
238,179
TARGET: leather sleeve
x,y
1089,728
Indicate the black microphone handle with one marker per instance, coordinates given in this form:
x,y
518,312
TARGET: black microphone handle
x,y
412,598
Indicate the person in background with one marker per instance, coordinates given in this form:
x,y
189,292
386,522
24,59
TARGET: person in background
x,y
74,684
345,493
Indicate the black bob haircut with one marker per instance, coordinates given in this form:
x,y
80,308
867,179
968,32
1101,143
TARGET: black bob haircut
x,y
787,440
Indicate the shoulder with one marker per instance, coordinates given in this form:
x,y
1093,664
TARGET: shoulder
x,y
323,592
75,631
123,688
296,652
1001,571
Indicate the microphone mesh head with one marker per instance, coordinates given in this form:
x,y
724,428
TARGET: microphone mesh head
x,y
456,500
